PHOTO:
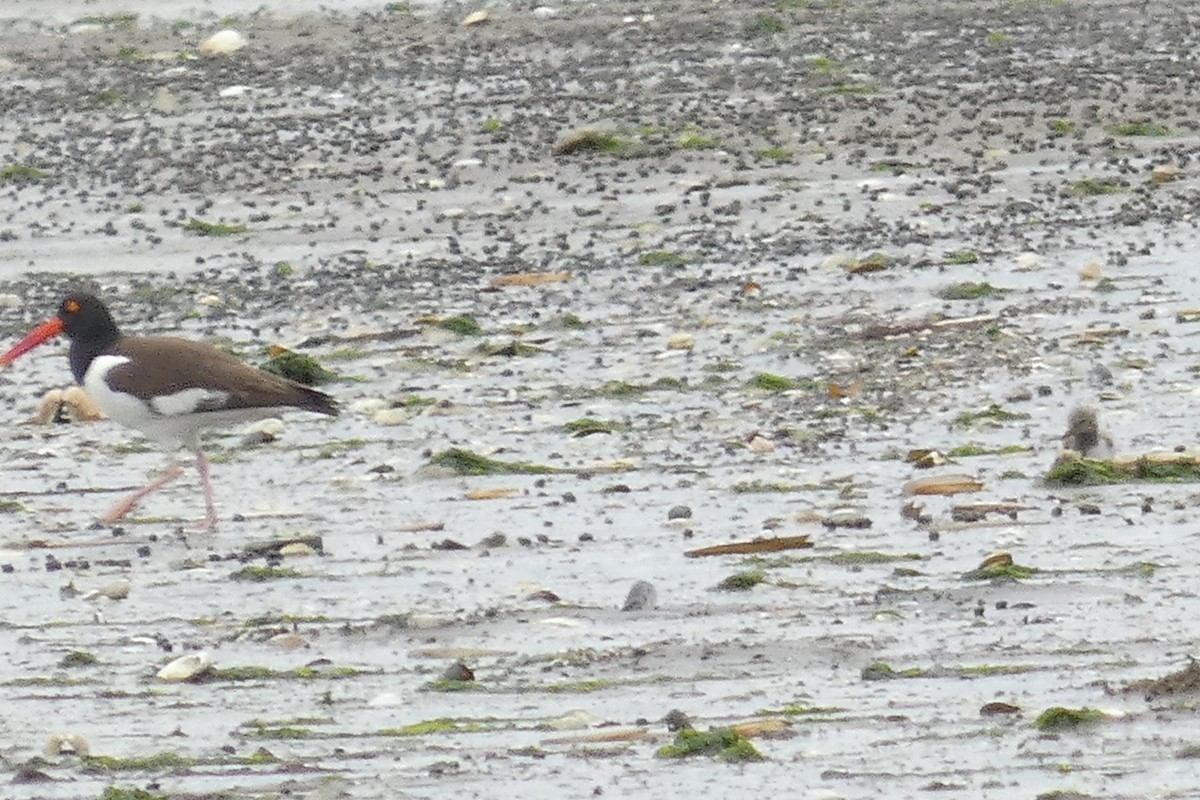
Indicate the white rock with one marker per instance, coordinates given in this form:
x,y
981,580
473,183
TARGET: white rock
x,y
165,102
233,91
681,341
222,43
263,431
545,12
574,720
475,19
1027,261
761,444
117,590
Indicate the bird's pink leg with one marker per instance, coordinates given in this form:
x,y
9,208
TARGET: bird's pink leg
x,y
129,503
202,467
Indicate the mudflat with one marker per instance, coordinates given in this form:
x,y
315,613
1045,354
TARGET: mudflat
x,y
599,286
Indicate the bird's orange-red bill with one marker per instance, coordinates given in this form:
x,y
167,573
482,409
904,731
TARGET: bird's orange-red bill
x,y
47,330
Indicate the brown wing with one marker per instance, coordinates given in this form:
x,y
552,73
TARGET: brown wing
x,y
180,364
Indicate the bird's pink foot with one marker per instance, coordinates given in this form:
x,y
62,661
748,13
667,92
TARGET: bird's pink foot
x,y
122,508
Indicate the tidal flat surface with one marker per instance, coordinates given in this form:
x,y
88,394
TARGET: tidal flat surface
x,y
694,274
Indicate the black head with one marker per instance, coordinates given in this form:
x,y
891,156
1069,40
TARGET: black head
x,y
85,318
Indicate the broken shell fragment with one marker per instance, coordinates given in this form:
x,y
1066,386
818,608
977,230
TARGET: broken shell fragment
x,y
60,743
66,405
943,484
117,590
997,560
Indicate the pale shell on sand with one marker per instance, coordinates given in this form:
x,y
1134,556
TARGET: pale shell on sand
x,y
185,668
222,43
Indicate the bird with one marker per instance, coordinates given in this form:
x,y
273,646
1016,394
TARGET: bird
x,y
1085,436
168,388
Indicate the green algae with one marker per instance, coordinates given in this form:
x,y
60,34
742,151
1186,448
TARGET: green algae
x,y
742,581
117,793
725,744
159,762
882,671
1000,573
465,462
579,687
450,686
771,487
586,426
299,368
972,450
959,257
78,658
257,574
19,173
203,228
1093,187
863,557
969,290
282,732
1101,472
994,414
255,673
768,382
661,258
1059,718
461,324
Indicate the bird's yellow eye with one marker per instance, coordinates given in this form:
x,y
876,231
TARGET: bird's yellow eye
x,y
71,306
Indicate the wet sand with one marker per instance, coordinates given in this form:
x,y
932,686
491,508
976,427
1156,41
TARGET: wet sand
x,y
806,193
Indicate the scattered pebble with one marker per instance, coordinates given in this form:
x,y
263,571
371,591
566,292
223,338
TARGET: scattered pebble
x,y
760,444
679,512
458,671
847,519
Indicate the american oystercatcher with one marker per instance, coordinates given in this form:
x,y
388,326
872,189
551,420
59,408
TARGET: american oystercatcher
x,y
169,389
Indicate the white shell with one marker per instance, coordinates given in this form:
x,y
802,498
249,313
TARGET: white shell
x,y
60,743
222,43
185,667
